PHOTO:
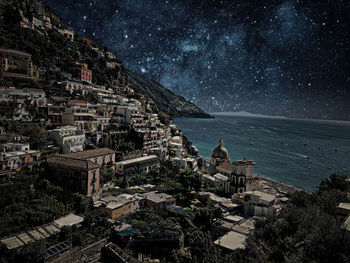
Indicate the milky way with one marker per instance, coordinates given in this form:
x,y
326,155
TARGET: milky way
x,y
271,57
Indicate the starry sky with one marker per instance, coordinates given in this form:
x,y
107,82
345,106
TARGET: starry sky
x,y
270,57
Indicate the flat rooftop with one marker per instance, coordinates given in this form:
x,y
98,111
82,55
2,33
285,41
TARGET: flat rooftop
x,y
345,206
139,159
245,227
234,218
157,197
69,220
261,195
232,241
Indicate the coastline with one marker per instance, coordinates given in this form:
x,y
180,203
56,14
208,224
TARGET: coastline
x,y
274,183
253,115
284,187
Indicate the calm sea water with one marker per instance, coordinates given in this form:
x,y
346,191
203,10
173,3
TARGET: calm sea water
x,y
297,152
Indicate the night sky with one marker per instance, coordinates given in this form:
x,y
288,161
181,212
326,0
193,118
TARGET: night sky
x,y
270,57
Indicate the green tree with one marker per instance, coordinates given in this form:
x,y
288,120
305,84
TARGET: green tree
x,y
108,175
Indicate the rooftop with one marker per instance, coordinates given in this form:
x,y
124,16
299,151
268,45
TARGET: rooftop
x,y
20,239
17,52
226,166
72,162
69,220
232,241
245,227
78,101
234,218
88,154
221,177
244,161
157,197
262,196
139,159
113,202
345,206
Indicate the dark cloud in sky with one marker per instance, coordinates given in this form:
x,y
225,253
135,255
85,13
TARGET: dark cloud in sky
x,y
271,57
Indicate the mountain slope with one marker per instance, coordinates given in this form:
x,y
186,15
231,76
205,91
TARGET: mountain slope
x,y
166,100
52,51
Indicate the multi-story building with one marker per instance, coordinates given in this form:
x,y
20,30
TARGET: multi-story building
x,y
15,156
35,96
37,23
112,139
88,41
103,95
80,71
104,157
80,171
67,32
151,138
69,138
7,147
257,203
128,112
237,177
74,86
85,119
138,165
25,23
76,175
119,206
46,21
54,115
14,63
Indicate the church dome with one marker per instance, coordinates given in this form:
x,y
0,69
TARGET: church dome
x,y
220,152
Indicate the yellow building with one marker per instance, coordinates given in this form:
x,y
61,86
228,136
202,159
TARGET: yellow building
x,y
14,63
118,206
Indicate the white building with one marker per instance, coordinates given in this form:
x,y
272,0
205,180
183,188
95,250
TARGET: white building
x,y
128,112
69,138
257,203
85,119
74,86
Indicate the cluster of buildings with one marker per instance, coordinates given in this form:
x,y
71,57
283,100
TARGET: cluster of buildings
x,y
249,197
14,156
116,207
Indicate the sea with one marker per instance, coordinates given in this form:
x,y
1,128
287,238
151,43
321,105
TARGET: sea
x,y
297,152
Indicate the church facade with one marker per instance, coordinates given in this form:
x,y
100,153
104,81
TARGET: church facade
x,y
238,173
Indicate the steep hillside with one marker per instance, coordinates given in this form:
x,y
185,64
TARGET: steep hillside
x,y
165,99
52,52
